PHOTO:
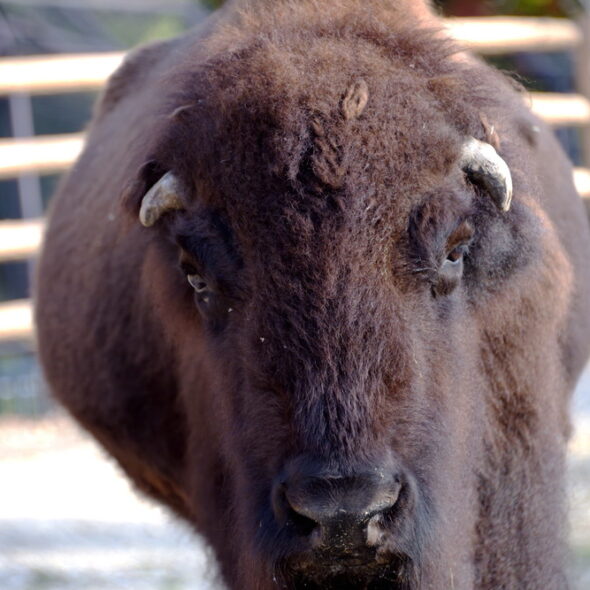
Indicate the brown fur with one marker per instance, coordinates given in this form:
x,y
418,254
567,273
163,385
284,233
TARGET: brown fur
x,y
319,141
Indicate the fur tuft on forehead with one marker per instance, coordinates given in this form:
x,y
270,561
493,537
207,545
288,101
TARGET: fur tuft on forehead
x,y
356,100
326,155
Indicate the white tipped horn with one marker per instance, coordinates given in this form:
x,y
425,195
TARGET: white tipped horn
x,y
162,197
481,162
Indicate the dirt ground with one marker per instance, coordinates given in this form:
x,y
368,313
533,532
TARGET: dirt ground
x,y
70,521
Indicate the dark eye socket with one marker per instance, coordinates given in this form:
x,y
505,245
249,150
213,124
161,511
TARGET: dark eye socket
x,y
202,290
212,304
198,283
451,270
213,297
193,276
196,280
457,253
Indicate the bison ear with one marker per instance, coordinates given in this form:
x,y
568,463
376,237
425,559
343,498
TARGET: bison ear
x,y
355,100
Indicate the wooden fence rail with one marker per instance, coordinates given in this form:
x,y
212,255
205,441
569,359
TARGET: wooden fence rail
x,y
57,73
44,154
20,239
16,320
488,36
501,34
561,110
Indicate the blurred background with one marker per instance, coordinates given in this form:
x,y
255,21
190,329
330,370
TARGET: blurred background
x,y
68,519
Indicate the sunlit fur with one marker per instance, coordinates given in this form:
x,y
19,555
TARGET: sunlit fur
x,y
322,230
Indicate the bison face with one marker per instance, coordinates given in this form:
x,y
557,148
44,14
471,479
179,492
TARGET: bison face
x,y
336,249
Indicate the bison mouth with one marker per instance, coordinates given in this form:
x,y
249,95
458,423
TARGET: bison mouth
x,y
347,549
347,574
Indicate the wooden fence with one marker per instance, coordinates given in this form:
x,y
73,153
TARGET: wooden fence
x,y
21,239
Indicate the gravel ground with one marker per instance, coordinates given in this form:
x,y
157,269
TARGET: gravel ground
x,y
70,521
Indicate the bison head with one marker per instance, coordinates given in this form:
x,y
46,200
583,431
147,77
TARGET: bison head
x,y
339,250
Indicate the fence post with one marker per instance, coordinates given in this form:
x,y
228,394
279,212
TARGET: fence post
x,y
582,59
29,187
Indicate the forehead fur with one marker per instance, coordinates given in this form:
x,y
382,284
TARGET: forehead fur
x,y
265,127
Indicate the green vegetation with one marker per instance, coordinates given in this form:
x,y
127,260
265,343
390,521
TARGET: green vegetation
x,y
131,29
537,7
212,4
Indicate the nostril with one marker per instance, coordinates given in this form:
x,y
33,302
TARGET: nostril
x,y
287,515
387,502
303,525
401,502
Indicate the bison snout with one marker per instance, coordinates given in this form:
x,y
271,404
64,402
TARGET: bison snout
x,y
335,511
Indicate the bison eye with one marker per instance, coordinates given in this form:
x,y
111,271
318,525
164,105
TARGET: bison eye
x,y
455,256
198,283
450,271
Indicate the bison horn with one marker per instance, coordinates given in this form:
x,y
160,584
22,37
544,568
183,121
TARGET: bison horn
x,y
162,197
481,162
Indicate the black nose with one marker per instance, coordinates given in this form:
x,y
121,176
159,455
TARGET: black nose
x,y
332,509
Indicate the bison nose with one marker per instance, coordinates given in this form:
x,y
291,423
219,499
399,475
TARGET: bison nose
x,y
334,510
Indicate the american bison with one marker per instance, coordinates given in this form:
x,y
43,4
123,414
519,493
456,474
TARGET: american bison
x,y
320,283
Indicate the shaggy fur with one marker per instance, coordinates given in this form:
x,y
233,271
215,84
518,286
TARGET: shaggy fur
x,y
318,145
